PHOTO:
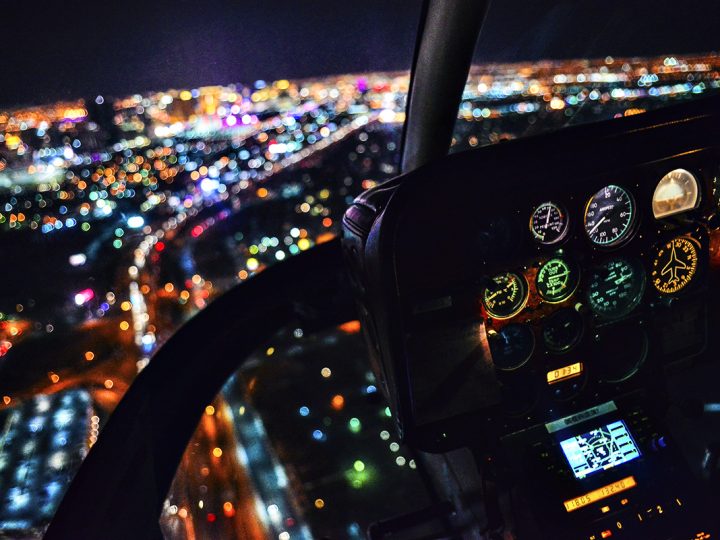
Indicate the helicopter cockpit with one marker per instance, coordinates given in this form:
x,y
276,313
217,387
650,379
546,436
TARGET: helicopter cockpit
x,y
540,314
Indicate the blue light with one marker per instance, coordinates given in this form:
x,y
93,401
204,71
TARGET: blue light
x,y
371,389
304,411
318,435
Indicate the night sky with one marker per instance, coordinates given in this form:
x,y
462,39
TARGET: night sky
x,y
81,48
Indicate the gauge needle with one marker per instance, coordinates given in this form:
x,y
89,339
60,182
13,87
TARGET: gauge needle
x,y
597,225
547,220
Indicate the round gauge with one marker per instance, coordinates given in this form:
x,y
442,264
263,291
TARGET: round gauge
x,y
674,265
609,216
622,350
616,288
506,295
512,346
549,223
676,192
563,330
556,280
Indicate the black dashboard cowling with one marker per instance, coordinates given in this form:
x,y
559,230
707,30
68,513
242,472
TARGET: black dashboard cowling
x,y
420,249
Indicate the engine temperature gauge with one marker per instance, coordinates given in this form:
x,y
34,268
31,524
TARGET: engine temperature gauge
x,y
549,223
506,295
674,265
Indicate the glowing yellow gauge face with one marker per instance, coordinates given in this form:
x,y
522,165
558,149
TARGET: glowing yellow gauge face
x,y
676,192
506,296
674,265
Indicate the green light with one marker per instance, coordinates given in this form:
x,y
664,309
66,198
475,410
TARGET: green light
x,y
85,226
359,466
354,425
387,412
119,232
117,244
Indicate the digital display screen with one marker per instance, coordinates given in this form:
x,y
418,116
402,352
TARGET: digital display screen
x,y
566,372
600,449
600,493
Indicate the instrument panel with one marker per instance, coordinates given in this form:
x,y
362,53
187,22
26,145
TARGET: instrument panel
x,y
577,303
581,293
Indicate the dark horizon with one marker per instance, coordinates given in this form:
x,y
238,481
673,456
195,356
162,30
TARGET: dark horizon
x,y
81,49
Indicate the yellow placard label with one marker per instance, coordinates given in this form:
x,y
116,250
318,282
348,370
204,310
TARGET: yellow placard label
x,y
600,493
566,372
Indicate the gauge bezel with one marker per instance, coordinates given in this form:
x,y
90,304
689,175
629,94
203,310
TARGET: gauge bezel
x,y
526,294
698,194
577,338
663,245
573,268
529,355
637,300
628,234
566,225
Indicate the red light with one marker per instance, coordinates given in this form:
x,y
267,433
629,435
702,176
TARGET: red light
x,y
211,517
197,231
160,246
84,296
606,534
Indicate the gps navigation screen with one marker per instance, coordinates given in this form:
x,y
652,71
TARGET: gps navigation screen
x,y
600,449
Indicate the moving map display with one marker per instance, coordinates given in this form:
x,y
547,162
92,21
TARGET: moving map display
x,y
600,449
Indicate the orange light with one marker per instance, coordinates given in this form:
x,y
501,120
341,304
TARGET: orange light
x,y
217,452
600,493
350,327
564,373
7,400
262,192
108,384
89,356
209,410
606,534
338,402
54,377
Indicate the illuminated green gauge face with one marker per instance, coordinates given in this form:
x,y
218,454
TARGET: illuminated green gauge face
x,y
609,216
616,288
549,223
563,330
556,280
674,265
506,295
512,346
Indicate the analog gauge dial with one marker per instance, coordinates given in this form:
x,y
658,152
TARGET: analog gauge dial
x,y
506,295
563,330
676,192
549,223
512,346
674,265
556,280
622,350
616,288
609,216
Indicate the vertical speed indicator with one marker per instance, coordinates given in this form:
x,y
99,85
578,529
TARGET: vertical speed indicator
x,y
549,223
609,216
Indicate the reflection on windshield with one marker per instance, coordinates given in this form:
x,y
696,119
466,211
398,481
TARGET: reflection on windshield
x,y
507,101
299,444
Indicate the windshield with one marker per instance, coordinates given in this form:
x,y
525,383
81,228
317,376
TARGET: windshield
x,y
577,66
150,159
